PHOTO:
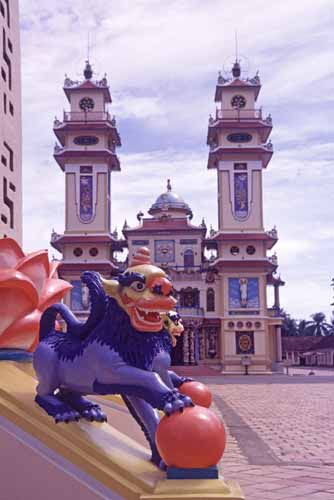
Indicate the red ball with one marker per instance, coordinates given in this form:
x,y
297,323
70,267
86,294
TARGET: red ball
x,y
198,392
194,438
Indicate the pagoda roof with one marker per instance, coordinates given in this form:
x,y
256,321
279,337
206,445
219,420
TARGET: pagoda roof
x,y
60,129
263,152
253,83
269,237
63,155
58,240
97,85
165,224
265,265
263,127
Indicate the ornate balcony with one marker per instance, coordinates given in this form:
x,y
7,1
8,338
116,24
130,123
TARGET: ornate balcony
x,y
89,116
238,114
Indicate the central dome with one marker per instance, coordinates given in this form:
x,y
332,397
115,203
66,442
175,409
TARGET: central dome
x,y
170,202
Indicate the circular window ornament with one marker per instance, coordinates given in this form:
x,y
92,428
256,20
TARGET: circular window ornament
x,y
93,251
234,250
230,324
239,137
78,252
238,101
257,324
251,250
86,104
85,140
240,324
249,324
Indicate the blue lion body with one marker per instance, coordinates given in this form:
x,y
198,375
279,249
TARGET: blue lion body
x,y
104,355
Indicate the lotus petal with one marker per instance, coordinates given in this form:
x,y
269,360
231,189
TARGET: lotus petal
x,y
53,268
36,267
10,253
18,297
53,291
23,334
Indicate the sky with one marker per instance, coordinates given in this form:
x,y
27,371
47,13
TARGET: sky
x,y
162,58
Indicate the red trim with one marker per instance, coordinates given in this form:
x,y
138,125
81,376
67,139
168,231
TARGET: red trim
x,y
108,156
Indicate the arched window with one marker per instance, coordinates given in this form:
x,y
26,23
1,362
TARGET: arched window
x,y
210,300
188,258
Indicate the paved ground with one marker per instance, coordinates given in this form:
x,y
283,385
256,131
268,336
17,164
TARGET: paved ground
x,y
280,433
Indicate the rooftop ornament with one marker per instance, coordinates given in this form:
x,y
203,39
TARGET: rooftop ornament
x,y
269,119
88,71
255,80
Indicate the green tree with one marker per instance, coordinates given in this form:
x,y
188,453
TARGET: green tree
x,y
303,326
289,325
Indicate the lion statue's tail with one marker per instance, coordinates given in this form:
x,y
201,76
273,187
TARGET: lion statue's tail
x,y
98,302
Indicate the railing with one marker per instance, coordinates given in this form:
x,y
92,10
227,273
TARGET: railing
x,y
186,269
89,116
59,149
190,311
239,114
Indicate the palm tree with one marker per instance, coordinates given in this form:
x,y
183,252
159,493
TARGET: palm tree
x,y
331,323
318,327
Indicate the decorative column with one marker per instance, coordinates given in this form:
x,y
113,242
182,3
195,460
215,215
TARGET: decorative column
x,y
185,337
278,344
277,300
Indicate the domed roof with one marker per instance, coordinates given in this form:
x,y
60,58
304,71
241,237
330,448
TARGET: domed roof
x,y
170,201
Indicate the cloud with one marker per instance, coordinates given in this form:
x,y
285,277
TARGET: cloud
x,y
162,59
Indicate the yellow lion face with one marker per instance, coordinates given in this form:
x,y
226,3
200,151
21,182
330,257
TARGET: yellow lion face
x,y
143,291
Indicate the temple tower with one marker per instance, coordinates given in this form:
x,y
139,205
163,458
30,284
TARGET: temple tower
x,y
86,152
240,151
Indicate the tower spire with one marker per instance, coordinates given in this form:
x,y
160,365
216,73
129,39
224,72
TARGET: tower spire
x,y
236,70
169,186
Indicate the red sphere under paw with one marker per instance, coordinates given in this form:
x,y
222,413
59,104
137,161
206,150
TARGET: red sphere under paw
x,y
194,438
198,392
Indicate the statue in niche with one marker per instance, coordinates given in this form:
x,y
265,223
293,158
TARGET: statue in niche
x,y
243,282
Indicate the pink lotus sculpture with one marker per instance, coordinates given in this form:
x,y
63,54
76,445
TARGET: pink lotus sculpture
x,y
28,285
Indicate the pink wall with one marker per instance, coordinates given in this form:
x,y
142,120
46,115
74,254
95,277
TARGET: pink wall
x,y
30,471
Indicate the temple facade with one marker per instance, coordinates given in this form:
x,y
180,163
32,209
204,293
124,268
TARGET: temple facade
x,y
221,277
10,123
